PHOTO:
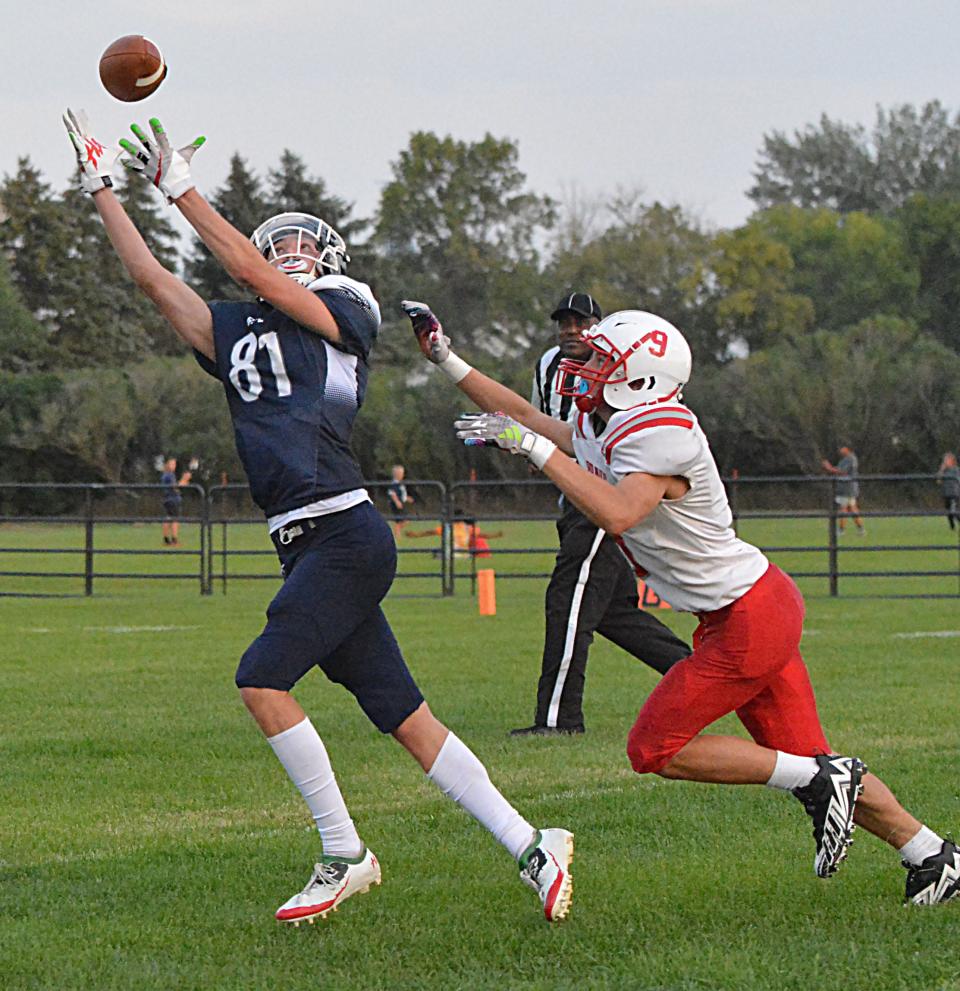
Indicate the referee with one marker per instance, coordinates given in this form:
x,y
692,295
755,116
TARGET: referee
x,y
592,588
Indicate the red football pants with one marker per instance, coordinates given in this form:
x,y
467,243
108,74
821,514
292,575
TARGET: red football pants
x,y
746,659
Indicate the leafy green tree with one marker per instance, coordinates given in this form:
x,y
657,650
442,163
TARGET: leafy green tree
x,y
23,454
851,266
290,188
34,237
931,226
653,257
883,385
181,410
24,341
457,227
752,276
842,167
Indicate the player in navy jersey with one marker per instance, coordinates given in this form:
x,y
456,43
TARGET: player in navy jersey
x,y
293,364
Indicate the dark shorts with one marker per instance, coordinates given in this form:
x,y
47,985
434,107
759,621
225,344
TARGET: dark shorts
x,y
327,614
171,508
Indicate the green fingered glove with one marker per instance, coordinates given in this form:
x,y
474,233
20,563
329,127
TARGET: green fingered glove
x,y
167,168
500,430
94,159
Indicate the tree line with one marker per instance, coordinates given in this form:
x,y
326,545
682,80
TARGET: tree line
x,y
831,315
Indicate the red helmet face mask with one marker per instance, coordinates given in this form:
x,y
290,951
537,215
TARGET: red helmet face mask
x,y
585,381
638,359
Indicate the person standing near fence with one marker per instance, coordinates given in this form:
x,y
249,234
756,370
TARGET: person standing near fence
x,y
592,588
637,462
847,491
172,501
399,499
293,364
949,475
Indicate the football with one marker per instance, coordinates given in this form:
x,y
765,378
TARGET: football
x,y
132,68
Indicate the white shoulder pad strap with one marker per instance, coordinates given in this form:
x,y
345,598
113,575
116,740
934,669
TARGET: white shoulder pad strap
x,y
360,291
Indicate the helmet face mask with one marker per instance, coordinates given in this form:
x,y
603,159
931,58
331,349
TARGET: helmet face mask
x,y
301,246
643,360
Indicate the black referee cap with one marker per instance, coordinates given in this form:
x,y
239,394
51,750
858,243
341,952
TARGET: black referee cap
x,y
577,302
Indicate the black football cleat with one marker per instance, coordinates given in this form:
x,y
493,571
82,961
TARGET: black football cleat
x,y
936,880
547,731
830,800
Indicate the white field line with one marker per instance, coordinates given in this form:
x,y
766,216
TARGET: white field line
x,y
112,629
940,634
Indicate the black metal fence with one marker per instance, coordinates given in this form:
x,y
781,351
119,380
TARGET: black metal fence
x,y
100,532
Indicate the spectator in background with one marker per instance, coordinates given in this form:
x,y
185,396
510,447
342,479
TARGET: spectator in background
x,y
847,491
399,499
949,475
172,501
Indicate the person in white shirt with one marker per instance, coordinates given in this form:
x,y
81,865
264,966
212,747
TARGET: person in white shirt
x,y
644,472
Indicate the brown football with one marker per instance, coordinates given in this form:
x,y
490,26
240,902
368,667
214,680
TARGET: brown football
x,y
132,68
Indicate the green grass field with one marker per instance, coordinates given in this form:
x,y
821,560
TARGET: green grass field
x,y
147,833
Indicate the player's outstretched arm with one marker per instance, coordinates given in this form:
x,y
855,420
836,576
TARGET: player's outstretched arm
x,y
486,392
169,170
614,508
185,311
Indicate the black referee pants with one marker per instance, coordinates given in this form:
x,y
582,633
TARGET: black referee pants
x,y
592,588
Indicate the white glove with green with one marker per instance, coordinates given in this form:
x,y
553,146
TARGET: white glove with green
x,y
94,159
500,430
155,160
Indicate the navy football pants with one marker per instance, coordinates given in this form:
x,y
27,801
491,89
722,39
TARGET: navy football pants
x,y
327,613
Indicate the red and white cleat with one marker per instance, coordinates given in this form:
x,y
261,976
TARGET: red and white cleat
x,y
545,867
333,881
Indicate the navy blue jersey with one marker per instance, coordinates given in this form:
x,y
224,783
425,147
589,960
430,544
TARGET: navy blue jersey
x,y
171,492
293,395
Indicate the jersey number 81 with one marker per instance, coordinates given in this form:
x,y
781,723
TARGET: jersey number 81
x,y
243,363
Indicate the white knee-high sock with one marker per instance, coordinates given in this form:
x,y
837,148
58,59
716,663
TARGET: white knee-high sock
x,y
792,771
303,755
458,773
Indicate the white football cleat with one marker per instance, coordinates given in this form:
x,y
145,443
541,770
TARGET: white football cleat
x,y
545,867
333,881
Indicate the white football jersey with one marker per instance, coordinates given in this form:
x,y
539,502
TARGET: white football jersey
x,y
685,549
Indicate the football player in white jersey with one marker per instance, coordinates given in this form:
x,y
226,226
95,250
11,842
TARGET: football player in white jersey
x,y
645,474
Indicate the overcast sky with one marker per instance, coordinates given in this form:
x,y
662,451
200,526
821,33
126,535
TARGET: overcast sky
x,y
670,96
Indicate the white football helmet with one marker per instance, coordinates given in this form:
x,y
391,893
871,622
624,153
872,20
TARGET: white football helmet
x,y
644,360
305,247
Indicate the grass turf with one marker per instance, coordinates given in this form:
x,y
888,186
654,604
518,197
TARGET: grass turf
x,y
148,834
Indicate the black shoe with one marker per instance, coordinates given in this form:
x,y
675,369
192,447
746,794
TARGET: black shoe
x,y
547,731
936,880
830,800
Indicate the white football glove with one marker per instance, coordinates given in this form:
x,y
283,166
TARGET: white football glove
x,y
94,159
500,430
433,342
155,160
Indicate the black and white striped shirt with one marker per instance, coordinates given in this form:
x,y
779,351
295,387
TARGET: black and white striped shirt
x,y
544,398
